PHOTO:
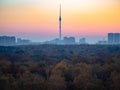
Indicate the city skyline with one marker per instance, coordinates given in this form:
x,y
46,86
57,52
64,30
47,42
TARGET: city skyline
x,y
112,39
38,20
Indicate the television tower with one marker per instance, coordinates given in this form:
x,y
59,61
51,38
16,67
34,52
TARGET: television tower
x,y
60,24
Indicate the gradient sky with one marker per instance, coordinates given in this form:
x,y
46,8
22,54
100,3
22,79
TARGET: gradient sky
x,y
38,19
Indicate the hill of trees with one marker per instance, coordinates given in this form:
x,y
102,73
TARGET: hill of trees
x,y
60,67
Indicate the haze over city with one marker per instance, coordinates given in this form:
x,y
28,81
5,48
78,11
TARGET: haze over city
x,y
37,20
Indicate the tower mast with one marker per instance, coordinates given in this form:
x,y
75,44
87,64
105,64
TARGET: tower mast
x,y
60,19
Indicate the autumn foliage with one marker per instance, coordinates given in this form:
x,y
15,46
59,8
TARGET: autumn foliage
x,y
60,67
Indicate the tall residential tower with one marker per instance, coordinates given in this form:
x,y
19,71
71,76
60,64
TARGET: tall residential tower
x,y
113,38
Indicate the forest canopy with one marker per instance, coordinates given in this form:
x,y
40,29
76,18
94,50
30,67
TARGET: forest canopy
x,y
60,67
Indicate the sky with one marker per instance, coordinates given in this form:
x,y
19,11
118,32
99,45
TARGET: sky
x,y
38,19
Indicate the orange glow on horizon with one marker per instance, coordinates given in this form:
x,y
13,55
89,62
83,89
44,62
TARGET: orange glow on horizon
x,y
90,21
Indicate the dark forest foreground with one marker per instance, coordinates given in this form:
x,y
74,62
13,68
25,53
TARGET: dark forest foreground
x,y
60,67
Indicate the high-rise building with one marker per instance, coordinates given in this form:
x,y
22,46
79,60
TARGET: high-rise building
x,y
113,38
110,38
7,40
116,38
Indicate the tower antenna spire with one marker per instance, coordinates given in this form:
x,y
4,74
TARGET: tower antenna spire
x,y
60,24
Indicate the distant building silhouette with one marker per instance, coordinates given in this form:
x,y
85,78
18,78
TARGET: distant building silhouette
x,y
57,41
60,24
54,41
82,41
23,41
116,38
110,38
69,40
113,38
102,42
7,40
